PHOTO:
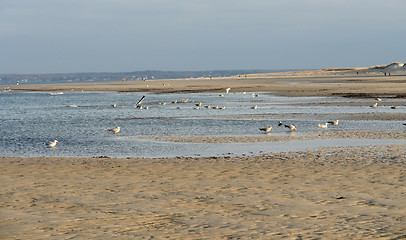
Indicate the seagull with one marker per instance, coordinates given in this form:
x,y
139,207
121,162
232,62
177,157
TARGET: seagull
x,y
322,125
114,105
280,124
335,122
199,104
52,144
228,90
375,105
291,127
254,107
395,107
114,130
267,129
378,99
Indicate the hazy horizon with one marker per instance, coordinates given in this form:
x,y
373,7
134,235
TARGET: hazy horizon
x,y
72,36
156,70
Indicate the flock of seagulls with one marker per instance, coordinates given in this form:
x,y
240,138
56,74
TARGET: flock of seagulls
x,y
293,128
375,105
198,105
320,125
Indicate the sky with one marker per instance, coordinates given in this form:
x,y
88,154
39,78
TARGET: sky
x,y
69,36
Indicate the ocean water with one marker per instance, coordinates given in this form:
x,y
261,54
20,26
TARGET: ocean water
x,y
79,121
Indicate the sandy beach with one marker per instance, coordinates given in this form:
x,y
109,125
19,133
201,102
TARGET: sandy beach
x,y
284,84
332,193
329,193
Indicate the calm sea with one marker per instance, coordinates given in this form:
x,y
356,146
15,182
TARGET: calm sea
x,y
79,121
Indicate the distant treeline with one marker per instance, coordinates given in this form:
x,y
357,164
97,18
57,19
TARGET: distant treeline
x,y
9,79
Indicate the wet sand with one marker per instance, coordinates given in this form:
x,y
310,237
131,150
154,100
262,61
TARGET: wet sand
x,y
330,193
270,137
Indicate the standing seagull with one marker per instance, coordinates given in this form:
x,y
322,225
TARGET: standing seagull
x,y
114,130
375,105
322,125
52,144
228,90
291,127
335,122
267,129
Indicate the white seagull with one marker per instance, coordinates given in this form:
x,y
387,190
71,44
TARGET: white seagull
x,y
114,130
322,125
52,144
228,90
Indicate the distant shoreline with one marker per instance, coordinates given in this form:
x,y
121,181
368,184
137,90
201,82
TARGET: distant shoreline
x,y
395,68
348,85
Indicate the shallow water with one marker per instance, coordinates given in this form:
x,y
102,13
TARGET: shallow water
x,y
79,121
